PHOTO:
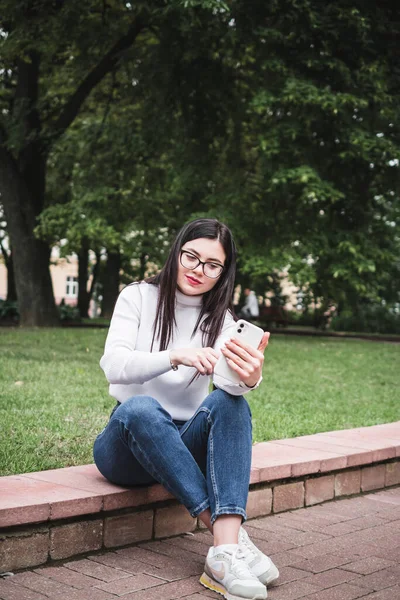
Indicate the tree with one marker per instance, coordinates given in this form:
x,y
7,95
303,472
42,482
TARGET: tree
x,y
46,48
116,203
34,48
120,178
279,118
319,144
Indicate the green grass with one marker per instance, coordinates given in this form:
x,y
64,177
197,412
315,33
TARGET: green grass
x,y
54,397
322,384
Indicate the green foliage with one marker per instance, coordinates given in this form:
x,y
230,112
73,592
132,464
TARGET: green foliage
x,y
320,183
9,311
369,319
10,314
303,318
68,313
281,119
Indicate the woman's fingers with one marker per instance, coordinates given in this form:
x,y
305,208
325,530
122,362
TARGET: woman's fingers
x,y
202,359
264,341
249,349
238,349
243,373
212,355
209,367
200,367
246,362
207,360
246,352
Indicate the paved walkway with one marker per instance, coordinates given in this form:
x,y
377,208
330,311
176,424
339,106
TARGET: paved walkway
x,y
339,550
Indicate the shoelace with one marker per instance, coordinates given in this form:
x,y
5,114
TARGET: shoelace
x,y
247,545
239,565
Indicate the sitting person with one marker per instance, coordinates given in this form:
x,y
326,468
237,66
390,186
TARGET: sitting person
x,y
165,337
250,308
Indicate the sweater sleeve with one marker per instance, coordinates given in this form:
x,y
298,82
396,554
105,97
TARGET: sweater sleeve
x,y
121,362
236,389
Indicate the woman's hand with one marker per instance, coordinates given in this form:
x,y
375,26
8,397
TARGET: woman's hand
x,y
202,359
246,361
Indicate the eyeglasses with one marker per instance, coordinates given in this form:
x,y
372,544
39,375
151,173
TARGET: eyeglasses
x,y
210,269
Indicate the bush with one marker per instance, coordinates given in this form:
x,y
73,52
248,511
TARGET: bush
x,y
69,313
310,318
9,311
370,319
301,318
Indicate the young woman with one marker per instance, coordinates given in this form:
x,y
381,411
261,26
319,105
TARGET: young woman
x,y
165,337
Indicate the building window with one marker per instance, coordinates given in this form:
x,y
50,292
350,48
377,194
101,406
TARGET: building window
x,y
72,287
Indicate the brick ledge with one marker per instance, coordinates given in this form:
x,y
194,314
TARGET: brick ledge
x,y
64,512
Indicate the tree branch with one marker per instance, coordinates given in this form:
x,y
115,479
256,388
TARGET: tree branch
x,y
106,110
107,63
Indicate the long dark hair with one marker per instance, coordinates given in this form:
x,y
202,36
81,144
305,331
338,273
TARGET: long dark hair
x,y
215,302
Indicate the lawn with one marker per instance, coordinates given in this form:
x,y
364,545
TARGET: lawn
x,y
54,397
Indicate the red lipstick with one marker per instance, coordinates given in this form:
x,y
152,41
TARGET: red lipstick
x,y
192,280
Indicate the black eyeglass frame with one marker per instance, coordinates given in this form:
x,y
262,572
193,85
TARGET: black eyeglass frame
x,y
200,262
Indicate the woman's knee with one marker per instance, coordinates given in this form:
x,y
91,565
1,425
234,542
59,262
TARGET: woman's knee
x,y
224,402
138,409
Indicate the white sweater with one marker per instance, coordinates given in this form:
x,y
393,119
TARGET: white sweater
x,y
133,370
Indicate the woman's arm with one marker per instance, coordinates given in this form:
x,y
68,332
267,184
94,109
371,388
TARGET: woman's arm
x,y
121,362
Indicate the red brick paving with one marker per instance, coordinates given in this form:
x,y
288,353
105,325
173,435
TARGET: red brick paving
x,y
340,550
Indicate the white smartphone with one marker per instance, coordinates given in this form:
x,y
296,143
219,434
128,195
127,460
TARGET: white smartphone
x,y
250,334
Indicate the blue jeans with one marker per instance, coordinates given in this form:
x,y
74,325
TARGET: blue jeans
x,y
204,462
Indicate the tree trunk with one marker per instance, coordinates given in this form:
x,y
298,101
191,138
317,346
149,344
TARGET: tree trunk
x,y
11,289
83,271
22,188
111,284
30,256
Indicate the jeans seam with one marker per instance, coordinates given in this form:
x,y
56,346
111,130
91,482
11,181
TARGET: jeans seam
x,y
212,468
198,411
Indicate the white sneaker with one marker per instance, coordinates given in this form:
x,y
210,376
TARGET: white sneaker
x,y
227,573
259,564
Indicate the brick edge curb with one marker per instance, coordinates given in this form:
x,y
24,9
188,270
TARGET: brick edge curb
x,y
30,545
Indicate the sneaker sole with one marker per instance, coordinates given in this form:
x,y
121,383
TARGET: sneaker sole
x,y
215,586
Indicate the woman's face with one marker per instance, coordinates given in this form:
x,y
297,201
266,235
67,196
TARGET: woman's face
x,y
194,282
